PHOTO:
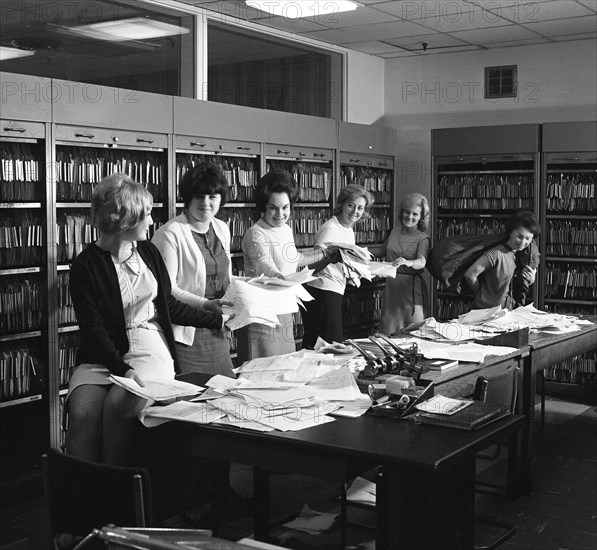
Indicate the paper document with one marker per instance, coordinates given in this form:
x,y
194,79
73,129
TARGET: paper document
x,y
439,404
297,278
383,269
362,491
199,413
255,303
157,390
312,522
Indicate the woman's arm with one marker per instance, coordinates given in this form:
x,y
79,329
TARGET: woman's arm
x,y
257,248
83,286
471,275
420,261
168,244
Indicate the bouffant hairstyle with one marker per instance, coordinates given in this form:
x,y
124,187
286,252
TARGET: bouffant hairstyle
x,y
275,181
351,193
119,203
206,178
523,218
412,200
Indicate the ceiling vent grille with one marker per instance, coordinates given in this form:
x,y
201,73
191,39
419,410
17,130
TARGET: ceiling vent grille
x,y
501,81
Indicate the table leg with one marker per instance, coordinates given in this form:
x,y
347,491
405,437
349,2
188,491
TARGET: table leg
x,y
422,509
261,497
528,409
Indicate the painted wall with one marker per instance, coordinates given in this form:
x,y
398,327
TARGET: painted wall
x,y
556,82
366,88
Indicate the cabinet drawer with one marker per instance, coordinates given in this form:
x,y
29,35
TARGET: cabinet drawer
x,y
16,128
112,138
355,159
299,153
216,146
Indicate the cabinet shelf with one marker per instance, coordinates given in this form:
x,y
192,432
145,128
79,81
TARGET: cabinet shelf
x,y
20,336
19,270
20,204
570,302
570,259
20,401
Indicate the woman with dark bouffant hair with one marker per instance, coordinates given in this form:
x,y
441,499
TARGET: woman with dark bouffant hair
x,y
269,249
195,246
323,315
405,296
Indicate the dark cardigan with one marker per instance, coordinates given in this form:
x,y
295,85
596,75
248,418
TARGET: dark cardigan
x,y
100,313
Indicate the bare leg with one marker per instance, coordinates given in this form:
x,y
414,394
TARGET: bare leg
x,y
119,425
85,411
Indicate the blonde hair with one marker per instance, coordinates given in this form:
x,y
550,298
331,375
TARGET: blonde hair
x,y
350,193
119,203
416,199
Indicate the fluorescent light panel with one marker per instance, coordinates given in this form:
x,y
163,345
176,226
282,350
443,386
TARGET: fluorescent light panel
x,y
138,28
12,53
305,8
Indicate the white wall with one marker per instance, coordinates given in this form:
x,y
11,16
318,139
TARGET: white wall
x,y
366,87
556,83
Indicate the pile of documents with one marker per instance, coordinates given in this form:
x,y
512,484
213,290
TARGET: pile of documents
x,y
262,299
286,393
356,261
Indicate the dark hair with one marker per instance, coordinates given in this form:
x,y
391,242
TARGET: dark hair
x,y
523,218
275,181
206,178
350,193
416,199
119,203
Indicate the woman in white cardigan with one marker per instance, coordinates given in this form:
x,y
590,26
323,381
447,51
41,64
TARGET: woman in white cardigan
x,y
196,249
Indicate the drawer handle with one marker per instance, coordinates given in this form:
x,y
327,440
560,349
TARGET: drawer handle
x,y
301,154
319,155
144,140
369,163
20,130
88,136
283,152
383,164
566,158
197,144
354,160
244,148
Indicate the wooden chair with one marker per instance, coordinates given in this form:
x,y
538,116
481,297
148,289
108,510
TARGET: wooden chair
x,y
82,496
502,388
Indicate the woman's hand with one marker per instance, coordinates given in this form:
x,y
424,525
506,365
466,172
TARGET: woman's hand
x,y
528,274
132,374
402,261
215,306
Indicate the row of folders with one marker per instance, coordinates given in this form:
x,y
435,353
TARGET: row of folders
x,y
581,369
577,282
17,373
571,193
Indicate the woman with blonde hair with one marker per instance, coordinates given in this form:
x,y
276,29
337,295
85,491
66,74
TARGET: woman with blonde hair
x,y
405,297
323,315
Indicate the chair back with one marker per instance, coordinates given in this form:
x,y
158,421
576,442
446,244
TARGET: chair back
x,y
82,495
501,387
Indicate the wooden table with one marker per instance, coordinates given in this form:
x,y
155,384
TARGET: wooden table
x,y
546,350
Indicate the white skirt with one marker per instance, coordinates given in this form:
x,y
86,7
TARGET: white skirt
x,y
148,354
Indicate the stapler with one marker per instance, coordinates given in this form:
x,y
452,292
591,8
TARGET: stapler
x,y
374,367
393,362
407,357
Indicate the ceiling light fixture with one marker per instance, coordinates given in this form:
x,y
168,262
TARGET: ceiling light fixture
x,y
12,53
138,28
295,10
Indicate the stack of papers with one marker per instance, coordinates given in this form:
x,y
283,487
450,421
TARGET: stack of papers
x,y
261,300
439,404
355,261
158,390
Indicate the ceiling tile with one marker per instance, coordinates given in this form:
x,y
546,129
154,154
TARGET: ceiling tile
x,y
591,4
555,10
336,36
399,54
373,47
512,43
361,16
389,30
579,36
290,25
425,10
560,27
433,40
495,34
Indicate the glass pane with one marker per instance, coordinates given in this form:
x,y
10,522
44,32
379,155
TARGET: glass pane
x,y
254,70
147,62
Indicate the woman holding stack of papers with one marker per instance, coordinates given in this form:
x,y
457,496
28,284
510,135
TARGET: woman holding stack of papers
x,y
323,316
195,246
269,249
